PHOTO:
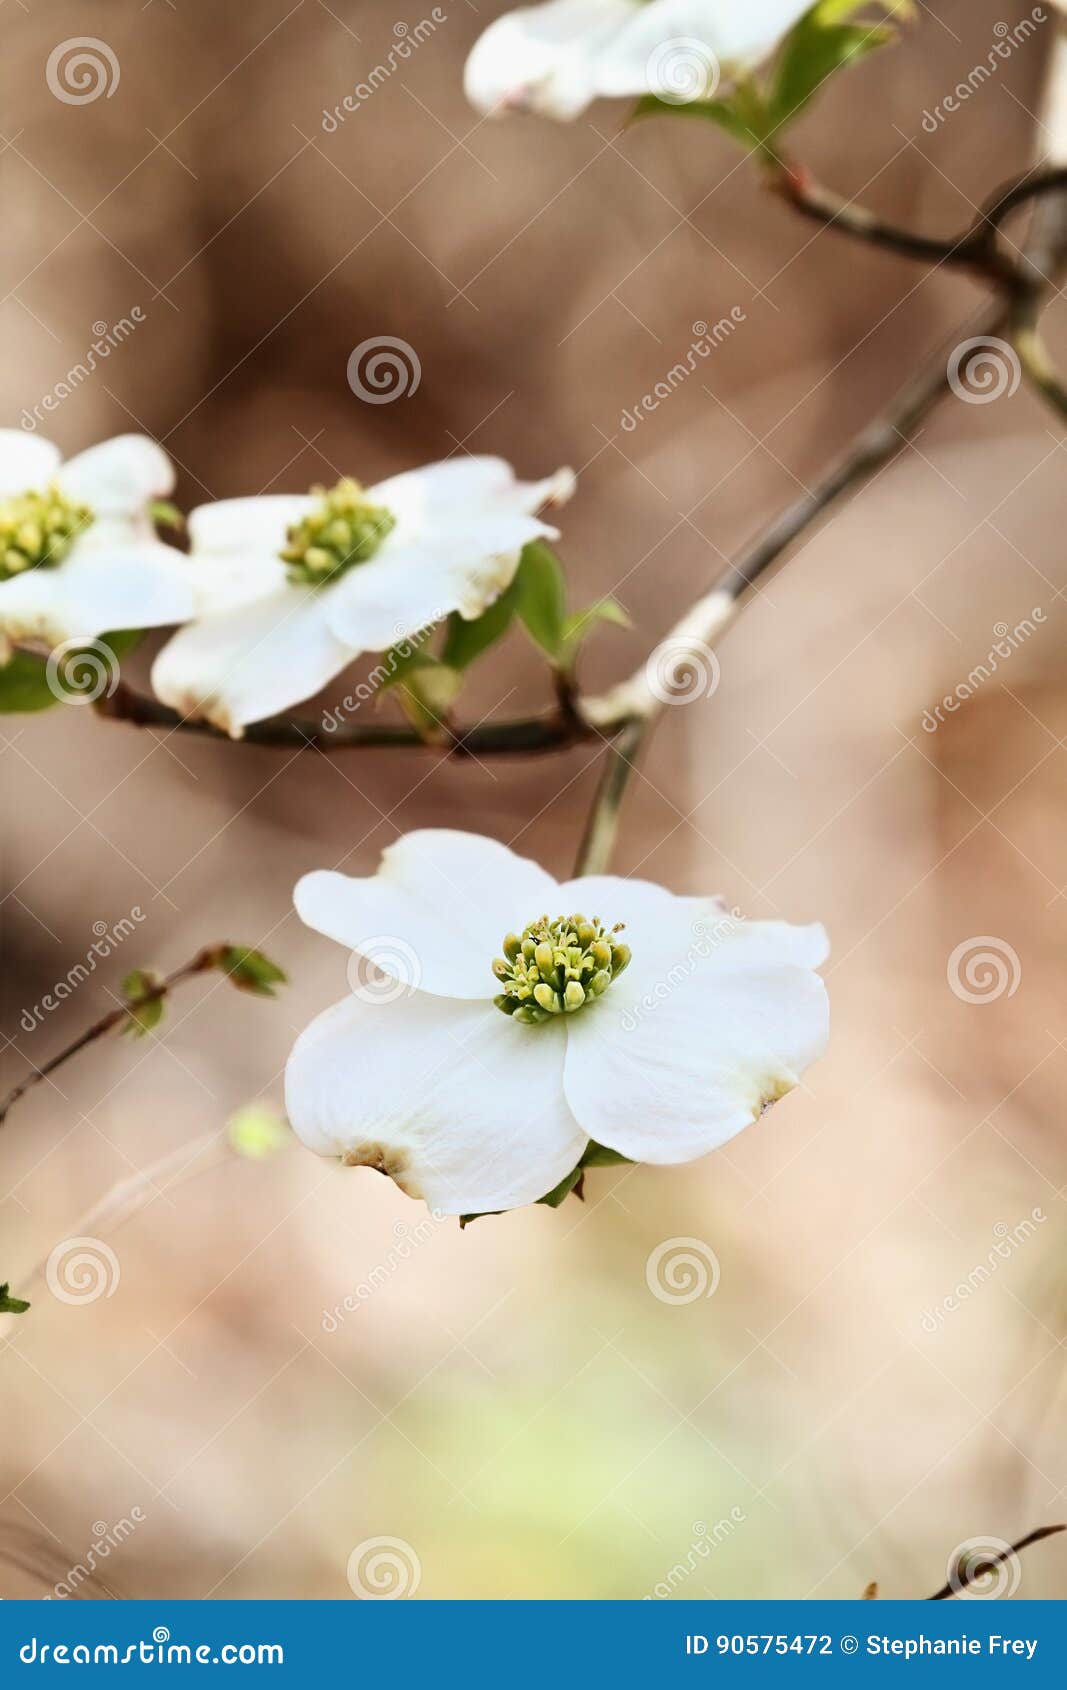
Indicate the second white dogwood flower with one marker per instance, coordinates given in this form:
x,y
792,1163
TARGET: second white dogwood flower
x,y
292,588
522,1018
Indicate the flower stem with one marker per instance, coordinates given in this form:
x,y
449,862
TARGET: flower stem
x,y
202,963
602,824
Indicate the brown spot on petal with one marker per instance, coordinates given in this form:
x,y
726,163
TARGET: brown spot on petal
x,y
392,1163
773,1090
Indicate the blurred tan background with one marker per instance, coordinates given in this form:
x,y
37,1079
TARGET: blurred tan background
x,y
513,1404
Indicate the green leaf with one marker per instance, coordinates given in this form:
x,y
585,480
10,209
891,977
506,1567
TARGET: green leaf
x,y
250,971
820,44
24,684
166,515
733,116
427,691
577,628
142,990
465,640
121,642
599,1156
563,1190
541,596
11,1305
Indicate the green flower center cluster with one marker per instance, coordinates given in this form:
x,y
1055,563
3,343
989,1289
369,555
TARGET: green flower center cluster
x,y
343,530
555,967
37,530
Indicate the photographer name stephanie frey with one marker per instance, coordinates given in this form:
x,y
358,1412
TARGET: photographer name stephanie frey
x,y
764,1643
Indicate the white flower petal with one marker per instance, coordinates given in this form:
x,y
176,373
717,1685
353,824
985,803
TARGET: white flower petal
x,y
255,525
119,476
686,1048
97,591
424,499
27,463
454,1101
226,581
414,584
448,898
246,664
541,58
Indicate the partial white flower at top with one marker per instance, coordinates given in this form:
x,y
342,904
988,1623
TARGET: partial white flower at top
x,y
521,1018
79,554
557,57
293,587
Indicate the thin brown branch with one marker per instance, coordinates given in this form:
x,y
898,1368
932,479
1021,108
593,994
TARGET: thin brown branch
x,y
202,963
975,249
551,731
969,1575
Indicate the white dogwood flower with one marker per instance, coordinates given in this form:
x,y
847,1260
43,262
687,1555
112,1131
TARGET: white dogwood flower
x,y
557,57
293,587
510,1030
79,554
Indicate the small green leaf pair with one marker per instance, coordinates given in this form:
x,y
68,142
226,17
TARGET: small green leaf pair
x,y
144,990
756,111
429,685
